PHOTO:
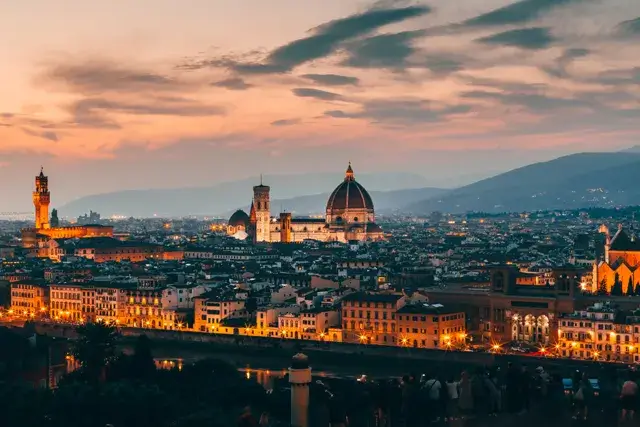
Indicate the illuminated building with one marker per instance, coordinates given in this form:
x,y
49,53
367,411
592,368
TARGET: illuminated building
x,y
430,326
110,304
143,308
43,231
600,332
29,298
211,310
66,303
370,318
349,216
621,262
105,249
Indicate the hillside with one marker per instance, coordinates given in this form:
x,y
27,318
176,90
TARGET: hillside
x,y
575,181
221,198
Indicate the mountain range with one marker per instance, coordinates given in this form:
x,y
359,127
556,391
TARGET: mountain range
x,y
569,182
301,194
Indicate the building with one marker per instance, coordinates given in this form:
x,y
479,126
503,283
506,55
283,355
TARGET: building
x,y
66,303
210,310
29,298
105,249
600,332
43,231
370,318
349,216
620,264
423,325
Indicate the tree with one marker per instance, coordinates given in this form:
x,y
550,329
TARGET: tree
x,y
616,289
95,348
251,305
636,290
629,290
54,221
602,287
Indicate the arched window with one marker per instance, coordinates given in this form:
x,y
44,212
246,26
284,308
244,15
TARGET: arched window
x,y
355,219
339,219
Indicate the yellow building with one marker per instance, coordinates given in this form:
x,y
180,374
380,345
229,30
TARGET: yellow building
x,y
599,332
66,303
143,309
431,326
370,318
29,298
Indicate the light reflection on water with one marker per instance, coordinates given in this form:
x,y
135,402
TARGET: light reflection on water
x,y
264,377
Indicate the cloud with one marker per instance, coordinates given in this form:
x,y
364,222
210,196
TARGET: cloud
x,y
401,111
559,67
629,28
331,79
525,38
48,135
536,102
285,122
517,13
93,77
304,92
323,41
382,51
94,112
233,83
625,76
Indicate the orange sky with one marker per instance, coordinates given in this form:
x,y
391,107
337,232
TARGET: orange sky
x,y
238,87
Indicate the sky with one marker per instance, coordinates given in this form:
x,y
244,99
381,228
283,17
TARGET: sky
x,y
165,93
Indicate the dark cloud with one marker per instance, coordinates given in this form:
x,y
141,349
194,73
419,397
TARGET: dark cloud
x,y
233,83
101,76
443,64
517,13
625,76
559,67
629,28
324,41
331,79
537,102
400,111
94,112
382,51
48,135
285,122
525,38
304,92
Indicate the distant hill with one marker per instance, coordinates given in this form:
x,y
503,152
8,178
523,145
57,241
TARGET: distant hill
x,y
221,198
383,201
575,181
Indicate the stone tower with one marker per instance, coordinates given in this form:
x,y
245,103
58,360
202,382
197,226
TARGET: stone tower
x,y
300,378
285,227
41,200
261,204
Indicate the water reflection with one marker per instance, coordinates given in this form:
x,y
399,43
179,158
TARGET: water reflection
x,y
265,377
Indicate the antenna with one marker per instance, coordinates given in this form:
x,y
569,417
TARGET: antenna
x,y
260,179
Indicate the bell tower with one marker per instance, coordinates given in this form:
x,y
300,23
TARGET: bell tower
x,y
261,204
41,200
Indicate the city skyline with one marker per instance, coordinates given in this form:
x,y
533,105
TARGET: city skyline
x,y
111,97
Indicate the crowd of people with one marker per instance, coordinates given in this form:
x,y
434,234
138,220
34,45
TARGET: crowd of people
x,y
474,397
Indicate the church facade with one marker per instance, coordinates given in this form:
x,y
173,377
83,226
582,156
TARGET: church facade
x,y
621,262
349,216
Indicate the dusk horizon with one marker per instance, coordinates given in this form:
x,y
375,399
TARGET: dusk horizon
x,y
112,98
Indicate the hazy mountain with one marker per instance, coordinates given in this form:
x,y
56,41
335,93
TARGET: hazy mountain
x,y
578,180
383,201
221,198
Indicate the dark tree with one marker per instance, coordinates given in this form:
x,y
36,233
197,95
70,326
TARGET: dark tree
x,y
616,289
629,290
142,360
251,305
54,221
95,348
602,287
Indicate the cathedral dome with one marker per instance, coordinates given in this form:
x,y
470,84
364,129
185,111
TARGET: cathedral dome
x,y
239,218
349,201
